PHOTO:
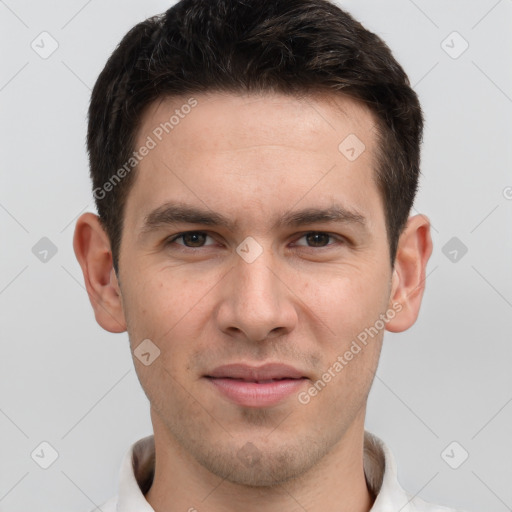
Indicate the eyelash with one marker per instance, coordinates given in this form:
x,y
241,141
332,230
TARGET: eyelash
x,y
184,247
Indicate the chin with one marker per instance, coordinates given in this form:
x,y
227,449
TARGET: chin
x,y
253,466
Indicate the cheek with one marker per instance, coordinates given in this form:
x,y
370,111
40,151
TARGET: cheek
x,y
348,299
161,303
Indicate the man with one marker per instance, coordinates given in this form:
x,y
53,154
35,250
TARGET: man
x,y
254,164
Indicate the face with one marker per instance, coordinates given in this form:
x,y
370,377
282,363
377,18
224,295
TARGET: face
x,y
252,240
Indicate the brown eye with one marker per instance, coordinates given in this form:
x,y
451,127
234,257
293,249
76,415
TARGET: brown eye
x,y
317,239
192,239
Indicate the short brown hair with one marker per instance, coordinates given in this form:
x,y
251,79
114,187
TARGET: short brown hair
x,y
287,46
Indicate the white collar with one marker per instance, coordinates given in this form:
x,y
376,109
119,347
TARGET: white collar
x,y
379,467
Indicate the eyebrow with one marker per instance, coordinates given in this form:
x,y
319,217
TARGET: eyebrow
x,y
335,213
174,213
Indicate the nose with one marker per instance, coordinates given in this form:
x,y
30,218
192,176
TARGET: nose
x,y
256,302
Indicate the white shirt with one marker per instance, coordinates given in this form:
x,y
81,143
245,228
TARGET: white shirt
x,y
136,476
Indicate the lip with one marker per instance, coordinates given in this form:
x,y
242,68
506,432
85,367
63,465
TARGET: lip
x,y
253,373
257,386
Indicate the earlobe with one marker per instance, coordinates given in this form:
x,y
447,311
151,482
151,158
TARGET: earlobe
x,y
409,273
92,250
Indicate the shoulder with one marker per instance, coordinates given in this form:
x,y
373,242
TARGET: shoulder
x,y
382,478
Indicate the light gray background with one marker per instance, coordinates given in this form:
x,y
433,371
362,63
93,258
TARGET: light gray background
x,y
67,382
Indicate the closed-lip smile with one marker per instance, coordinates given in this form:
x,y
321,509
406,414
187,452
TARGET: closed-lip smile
x,y
256,386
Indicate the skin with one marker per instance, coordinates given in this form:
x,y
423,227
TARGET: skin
x,y
302,301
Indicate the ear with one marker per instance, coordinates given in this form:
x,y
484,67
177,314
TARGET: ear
x,y
409,273
92,250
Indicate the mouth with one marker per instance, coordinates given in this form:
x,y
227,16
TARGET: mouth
x,y
255,381
251,386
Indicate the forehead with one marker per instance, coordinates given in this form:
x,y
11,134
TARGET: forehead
x,y
255,154
230,121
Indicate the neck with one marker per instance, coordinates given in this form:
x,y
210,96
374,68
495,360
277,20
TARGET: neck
x,y
337,482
